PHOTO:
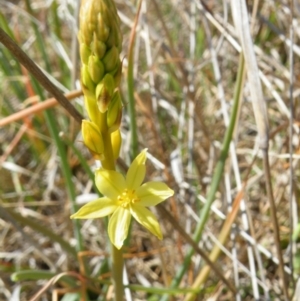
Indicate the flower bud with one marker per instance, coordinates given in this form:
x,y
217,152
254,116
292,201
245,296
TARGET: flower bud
x,y
86,35
102,28
111,59
114,112
118,75
98,47
91,106
96,69
104,92
84,53
116,141
100,41
92,137
115,38
86,79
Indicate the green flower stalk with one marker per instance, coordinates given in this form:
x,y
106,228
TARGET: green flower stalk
x,y
100,46
126,197
100,42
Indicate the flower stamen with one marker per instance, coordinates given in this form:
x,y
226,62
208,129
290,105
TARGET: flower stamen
x,y
127,197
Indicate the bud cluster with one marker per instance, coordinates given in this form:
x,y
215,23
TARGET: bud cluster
x,y
100,42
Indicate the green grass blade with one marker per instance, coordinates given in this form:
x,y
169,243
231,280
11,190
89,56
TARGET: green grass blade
x,y
52,125
217,176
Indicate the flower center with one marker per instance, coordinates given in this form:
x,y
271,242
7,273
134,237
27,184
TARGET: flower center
x,y
127,197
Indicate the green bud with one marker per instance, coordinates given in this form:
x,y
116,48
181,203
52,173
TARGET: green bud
x,y
111,5
118,75
116,141
103,98
114,112
119,45
96,69
104,92
92,137
115,37
86,79
111,41
102,28
111,59
114,71
100,42
84,53
91,26
91,106
86,34
98,47
89,14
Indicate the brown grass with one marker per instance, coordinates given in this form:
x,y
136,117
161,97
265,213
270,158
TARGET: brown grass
x,y
183,110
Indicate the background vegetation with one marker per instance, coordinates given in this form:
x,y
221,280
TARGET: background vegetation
x,y
188,87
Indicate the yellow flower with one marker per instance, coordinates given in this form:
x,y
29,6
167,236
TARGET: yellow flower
x,y
126,197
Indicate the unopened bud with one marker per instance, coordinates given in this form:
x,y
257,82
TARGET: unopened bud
x,y
102,30
111,59
114,112
92,137
118,75
84,53
104,92
116,141
86,79
98,47
91,106
115,38
96,69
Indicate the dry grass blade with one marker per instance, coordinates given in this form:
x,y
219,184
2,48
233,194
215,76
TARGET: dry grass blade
x,y
55,279
211,264
21,56
292,201
39,107
241,19
187,61
240,15
6,215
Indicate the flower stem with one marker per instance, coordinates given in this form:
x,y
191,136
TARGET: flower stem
x,y
117,272
108,162
116,255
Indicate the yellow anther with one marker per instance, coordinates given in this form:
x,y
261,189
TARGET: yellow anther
x,y
127,197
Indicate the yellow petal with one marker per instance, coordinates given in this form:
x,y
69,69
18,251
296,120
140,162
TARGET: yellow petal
x,y
153,193
147,219
136,172
110,183
118,226
96,209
